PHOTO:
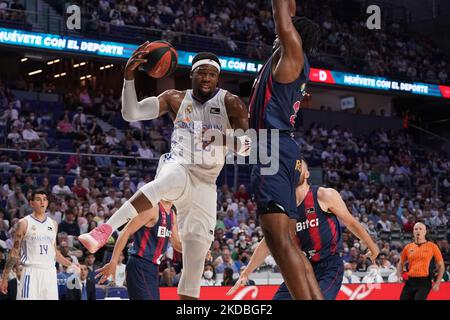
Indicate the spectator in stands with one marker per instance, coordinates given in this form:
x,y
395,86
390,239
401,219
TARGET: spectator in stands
x,y
69,224
228,279
242,194
384,224
349,277
61,189
209,276
230,220
144,151
227,262
15,202
53,212
68,252
86,291
79,190
91,264
64,127
99,205
30,136
373,275
167,279
439,220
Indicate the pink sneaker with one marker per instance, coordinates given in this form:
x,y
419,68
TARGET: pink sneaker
x,y
97,238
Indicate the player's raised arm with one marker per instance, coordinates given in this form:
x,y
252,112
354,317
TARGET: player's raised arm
x,y
135,224
291,61
337,206
149,108
14,255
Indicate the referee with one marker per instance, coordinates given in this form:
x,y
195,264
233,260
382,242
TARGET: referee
x,y
419,254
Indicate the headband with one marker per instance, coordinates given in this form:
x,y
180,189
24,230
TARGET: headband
x,y
205,61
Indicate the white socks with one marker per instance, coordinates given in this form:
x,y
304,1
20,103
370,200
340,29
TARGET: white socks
x,y
122,216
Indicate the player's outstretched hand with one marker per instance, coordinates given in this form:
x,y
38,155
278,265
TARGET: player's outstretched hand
x,y
108,270
4,288
241,282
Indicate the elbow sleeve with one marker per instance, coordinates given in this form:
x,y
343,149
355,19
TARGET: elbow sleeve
x,y
132,110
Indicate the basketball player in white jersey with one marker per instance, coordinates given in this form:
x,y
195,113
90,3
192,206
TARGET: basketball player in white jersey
x,y
187,175
35,248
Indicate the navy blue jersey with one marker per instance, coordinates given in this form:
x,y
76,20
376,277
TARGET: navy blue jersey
x,y
274,105
151,243
318,232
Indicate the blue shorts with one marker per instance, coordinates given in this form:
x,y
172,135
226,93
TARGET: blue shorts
x,y
142,279
279,188
329,274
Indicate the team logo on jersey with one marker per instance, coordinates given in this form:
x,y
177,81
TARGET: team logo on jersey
x,y
189,108
33,228
163,232
50,229
307,224
310,210
215,110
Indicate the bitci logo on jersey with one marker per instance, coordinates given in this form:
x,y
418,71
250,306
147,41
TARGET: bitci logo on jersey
x,y
307,224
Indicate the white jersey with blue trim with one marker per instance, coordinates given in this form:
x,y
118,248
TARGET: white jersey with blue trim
x,y
38,244
192,119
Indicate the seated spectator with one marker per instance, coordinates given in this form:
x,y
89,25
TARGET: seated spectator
x,y
61,189
349,277
373,275
209,276
230,220
242,194
64,127
79,190
227,262
86,291
167,279
69,224
228,279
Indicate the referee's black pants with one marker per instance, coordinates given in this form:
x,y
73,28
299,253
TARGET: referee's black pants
x,y
416,288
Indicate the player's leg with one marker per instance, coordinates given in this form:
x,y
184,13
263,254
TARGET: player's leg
x,y
196,222
285,253
313,284
28,287
193,265
169,184
282,293
49,281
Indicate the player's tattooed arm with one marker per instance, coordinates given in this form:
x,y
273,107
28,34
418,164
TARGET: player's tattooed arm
x,y
14,254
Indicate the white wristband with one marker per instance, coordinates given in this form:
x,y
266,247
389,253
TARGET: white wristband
x,y
245,145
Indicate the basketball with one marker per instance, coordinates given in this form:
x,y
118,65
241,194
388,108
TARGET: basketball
x,y
162,59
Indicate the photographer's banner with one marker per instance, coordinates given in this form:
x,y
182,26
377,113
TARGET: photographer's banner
x,y
366,291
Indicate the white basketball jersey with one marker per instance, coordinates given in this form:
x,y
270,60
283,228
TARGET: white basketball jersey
x,y
192,119
38,245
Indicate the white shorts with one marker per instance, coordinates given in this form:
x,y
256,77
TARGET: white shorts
x,y
194,199
38,283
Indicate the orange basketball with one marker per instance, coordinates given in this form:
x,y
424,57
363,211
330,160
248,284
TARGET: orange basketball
x,y
162,59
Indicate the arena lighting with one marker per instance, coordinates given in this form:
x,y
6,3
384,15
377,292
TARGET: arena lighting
x,y
82,78
76,65
53,61
56,76
102,68
88,76
23,59
35,72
